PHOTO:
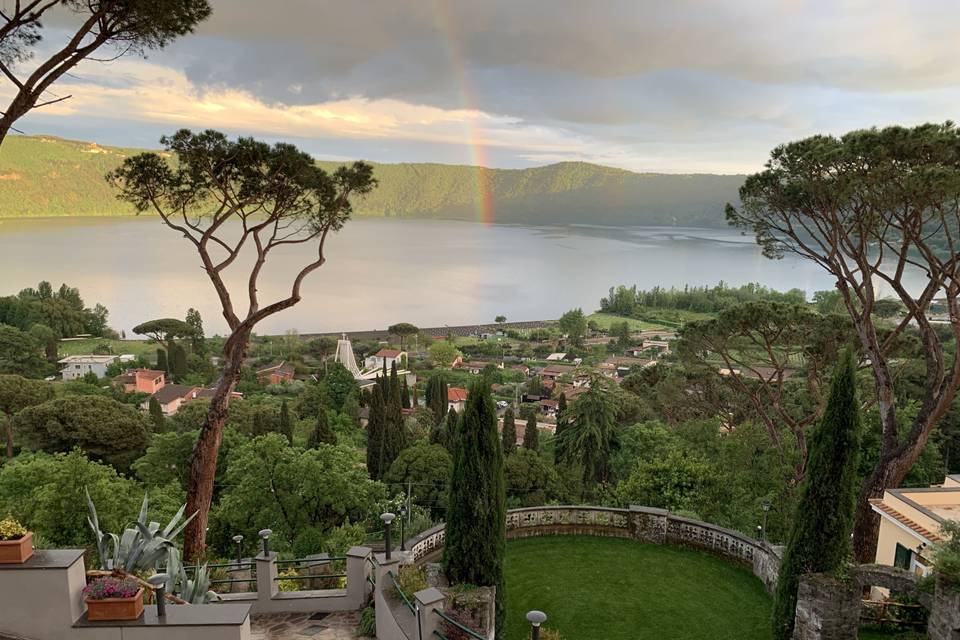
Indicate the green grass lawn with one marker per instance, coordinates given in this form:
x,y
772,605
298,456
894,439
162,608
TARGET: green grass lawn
x,y
592,588
603,321
87,345
595,588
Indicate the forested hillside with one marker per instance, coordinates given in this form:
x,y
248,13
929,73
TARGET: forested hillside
x,y
47,176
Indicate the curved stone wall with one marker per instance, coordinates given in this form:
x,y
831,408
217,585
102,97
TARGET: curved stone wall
x,y
645,524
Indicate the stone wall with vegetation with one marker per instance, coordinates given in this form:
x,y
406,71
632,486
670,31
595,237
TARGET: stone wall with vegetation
x,y
644,524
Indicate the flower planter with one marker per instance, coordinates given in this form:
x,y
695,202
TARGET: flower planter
x,y
116,608
16,551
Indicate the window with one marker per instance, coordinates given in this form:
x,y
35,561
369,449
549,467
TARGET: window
x,y
902,557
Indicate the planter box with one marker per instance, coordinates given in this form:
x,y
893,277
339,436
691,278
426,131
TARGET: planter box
x,y
16,551
116,608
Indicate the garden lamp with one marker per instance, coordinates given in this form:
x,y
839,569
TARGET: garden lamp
x,y
387,519
536,618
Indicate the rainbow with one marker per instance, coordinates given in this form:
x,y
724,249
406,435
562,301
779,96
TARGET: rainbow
x,y
483,197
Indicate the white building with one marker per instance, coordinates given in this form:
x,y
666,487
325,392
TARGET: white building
x,y
75,367
388,356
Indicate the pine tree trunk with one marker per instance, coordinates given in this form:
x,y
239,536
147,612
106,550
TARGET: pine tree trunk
x,y
203,461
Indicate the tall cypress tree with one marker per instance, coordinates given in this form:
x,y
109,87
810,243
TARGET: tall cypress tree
x,y
394,438
376,427
156,416
162,364
285,426
508,436
531,434
404,393
321,430
476,513
819,541
559,452
437,397
178,362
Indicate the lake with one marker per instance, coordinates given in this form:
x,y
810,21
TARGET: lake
x,y
379,272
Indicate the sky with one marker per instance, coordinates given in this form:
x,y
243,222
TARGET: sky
x,y
683,86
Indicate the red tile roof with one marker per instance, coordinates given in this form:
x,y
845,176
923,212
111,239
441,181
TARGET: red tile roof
x,y
388,353
456,394
902,519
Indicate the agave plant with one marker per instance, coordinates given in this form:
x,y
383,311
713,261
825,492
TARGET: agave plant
x,y
197,590
141,548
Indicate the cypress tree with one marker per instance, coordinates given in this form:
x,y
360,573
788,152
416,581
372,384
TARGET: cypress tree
x,y
819,540
437,397
415,401
531,434
508,436
376,426
162,361
321,430
476,513
286,424
404,394
178,362
559,452
394,438
156,416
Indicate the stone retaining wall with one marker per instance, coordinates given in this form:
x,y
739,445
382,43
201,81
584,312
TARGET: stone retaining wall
x,y
645,524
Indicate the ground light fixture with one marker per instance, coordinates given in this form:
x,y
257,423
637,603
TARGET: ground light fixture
x,y
765,507
536,618
159,583
387,518
403,514
238,540
265,536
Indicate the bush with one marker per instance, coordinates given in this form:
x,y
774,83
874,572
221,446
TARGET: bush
x,y
411,579
368,622
10,529
110,587
946,555
308,542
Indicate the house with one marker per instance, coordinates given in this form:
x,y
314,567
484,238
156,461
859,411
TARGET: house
x,y
141,380
660,347
456,399
171,397
556,357
75,367
553,371
548,407
276,373
385,357
475,366
910,523
617,367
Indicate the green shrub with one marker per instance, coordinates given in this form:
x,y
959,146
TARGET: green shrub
x,y
411,579
368,622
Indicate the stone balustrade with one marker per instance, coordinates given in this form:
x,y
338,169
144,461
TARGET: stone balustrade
x,y
645,524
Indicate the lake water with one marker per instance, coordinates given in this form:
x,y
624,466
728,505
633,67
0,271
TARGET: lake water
x,y
379,272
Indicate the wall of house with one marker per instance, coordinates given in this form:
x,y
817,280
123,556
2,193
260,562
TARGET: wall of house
x,y
891,535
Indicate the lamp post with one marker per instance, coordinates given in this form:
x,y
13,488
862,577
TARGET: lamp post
x,y
765,507
387,519
265,536
403,542
536,618
159,582
238,540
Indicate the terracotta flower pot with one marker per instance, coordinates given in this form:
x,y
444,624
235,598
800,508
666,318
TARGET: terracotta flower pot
x,y
16,551
116,608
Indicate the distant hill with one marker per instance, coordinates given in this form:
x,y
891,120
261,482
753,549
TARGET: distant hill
x,y
48,176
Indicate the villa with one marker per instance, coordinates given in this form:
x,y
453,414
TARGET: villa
x,y
75,367
141,381
456,399
910,522
385,358
171,397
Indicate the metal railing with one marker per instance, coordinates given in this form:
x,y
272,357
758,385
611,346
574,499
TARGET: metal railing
x,y
467,630
403,596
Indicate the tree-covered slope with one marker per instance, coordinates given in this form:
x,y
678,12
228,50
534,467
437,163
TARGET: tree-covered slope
x,y
47,176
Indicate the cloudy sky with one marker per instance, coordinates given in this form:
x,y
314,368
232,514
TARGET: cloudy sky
x,y
680,86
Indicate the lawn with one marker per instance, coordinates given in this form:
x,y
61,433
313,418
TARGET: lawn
x,y
603,321
615,589
87,345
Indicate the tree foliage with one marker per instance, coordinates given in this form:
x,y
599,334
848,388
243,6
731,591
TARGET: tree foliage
x,y
103,428
427,467
820,538
476,515
509,433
